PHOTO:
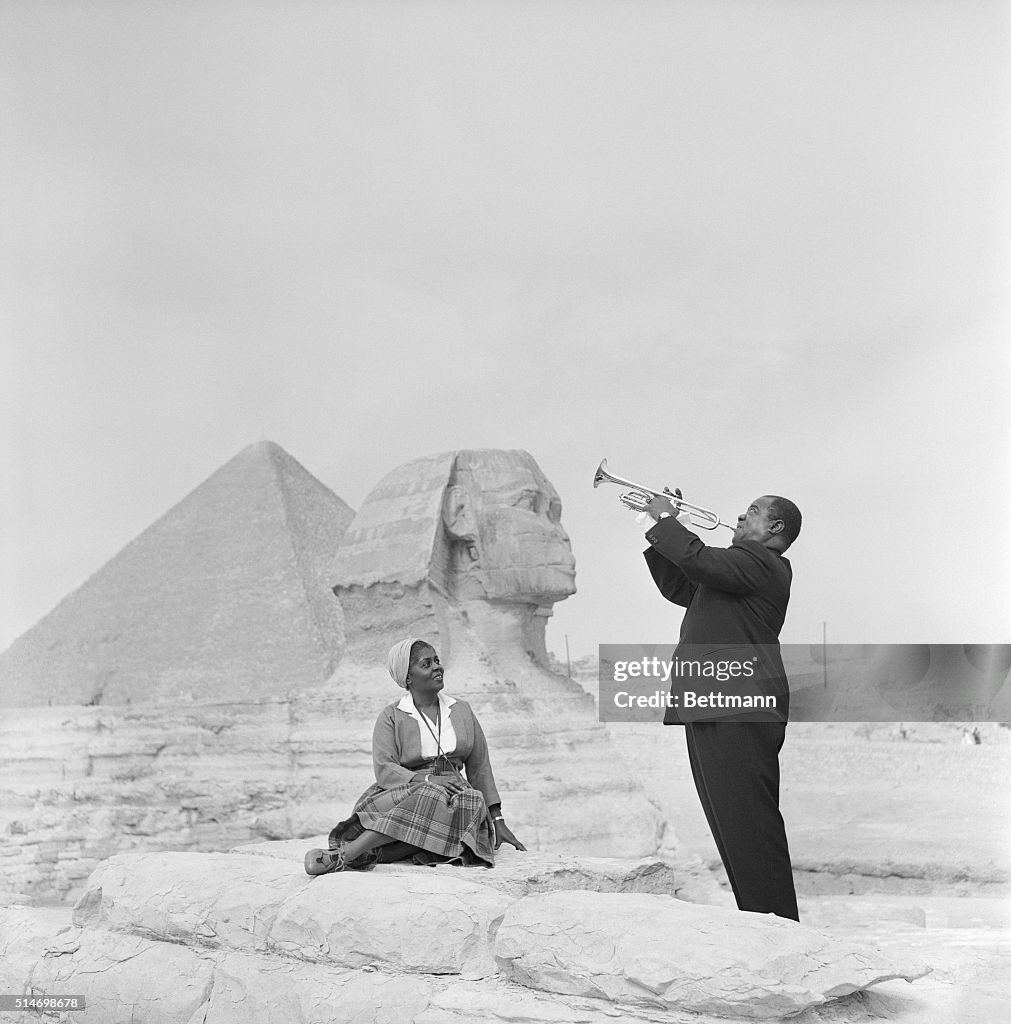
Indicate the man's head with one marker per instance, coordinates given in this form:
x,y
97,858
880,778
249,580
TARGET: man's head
x,y
771,521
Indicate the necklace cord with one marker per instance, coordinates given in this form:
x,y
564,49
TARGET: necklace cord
x,y
438,744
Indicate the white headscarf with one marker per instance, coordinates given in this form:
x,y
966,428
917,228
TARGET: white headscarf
x,y
399,661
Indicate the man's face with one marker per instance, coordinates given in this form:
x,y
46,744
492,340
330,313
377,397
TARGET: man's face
x,y
756,523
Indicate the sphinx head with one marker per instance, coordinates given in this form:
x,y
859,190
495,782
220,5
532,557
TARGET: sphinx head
x,y
473,525
502,524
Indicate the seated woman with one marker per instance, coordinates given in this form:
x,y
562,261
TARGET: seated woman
x,y
420,806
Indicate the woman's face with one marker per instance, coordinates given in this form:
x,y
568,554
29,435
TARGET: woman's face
x,y
424,677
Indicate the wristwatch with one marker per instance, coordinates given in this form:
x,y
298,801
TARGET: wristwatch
x,y
664,515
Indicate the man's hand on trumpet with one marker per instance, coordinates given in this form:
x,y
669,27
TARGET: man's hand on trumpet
x,y
661,503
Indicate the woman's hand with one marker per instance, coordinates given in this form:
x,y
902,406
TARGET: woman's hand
x,y
504,834
450,783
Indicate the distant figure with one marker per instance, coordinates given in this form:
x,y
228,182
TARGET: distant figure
x,y
736,598
421,806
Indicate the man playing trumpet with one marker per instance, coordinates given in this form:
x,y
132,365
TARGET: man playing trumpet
x,y
735,598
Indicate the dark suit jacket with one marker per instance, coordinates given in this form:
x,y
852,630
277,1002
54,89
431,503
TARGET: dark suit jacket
x,y
736,598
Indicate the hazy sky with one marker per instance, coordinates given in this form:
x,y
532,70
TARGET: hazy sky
x,y
737,247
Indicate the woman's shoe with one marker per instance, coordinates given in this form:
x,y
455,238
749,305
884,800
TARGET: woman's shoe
x,y
322,862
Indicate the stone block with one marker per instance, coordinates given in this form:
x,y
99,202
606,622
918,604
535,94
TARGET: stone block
x,y
496,1002
24,934
426,922
253,989
653,951
419,922
128,978
125,978
199,899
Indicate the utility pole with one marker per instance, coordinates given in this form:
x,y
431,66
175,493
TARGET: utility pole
x,y
568,666
824,656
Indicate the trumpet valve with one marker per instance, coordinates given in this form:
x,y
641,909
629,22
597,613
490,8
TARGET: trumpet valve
x,y
638,501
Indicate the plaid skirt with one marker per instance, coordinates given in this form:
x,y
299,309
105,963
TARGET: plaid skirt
x,y
454,828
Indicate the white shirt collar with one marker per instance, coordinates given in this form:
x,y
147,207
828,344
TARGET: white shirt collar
x,y
407,704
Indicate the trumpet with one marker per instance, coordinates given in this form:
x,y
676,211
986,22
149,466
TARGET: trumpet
x,y
639,497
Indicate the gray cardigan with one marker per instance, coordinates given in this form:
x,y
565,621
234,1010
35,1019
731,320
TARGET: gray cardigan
x,y
396,749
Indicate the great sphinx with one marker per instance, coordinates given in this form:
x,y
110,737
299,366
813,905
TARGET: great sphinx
x,y
467,549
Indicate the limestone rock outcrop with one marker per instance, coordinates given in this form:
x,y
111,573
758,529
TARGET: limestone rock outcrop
x,y
222,598
254,904
651,951
226,938
127,978
78,784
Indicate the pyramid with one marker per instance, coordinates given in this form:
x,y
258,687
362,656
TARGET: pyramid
x,y
222,598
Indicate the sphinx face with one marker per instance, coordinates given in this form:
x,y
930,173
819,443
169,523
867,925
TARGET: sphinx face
x,y
513,545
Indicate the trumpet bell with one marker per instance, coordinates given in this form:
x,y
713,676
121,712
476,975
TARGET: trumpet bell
x,y
602,476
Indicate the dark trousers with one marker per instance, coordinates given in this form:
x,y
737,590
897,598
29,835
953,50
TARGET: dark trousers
x,y
736,770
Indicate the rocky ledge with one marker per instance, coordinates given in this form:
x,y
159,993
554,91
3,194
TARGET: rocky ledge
x,y
245,936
